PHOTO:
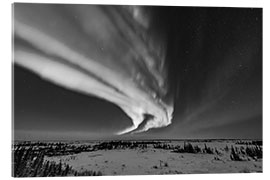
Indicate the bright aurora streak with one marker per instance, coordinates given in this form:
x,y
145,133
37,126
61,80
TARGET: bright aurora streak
x,y
105,51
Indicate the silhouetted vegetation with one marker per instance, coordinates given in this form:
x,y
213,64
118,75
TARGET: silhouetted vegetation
x,y
189,148
161,165
163,146
226,148
54,149
124,145
255,143
255,152
208,150
235,156
88,173
27,162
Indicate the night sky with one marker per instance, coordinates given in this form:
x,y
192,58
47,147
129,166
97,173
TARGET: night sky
x,y
215,73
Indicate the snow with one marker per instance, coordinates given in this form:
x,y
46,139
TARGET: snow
x,y
160,161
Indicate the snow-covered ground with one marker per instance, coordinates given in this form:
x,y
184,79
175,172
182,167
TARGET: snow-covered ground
x,y
150,160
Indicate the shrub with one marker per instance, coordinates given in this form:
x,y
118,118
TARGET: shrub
x,y
89,173
226,148
208,150
234,155
254,152
30,163
166,164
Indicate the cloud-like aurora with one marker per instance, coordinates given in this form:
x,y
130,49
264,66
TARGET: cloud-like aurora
x,y
104,51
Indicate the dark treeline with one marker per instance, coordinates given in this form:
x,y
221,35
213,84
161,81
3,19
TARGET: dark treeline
x,y
242,153
253,148
123,145
53,149
189,148
30,163
258,143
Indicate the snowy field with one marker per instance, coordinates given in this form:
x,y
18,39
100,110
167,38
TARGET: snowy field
x,y
167,157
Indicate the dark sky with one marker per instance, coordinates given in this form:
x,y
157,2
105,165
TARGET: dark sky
x,y
215,67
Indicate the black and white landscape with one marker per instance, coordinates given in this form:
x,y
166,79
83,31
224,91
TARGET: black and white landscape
x,y
136,90
130,157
